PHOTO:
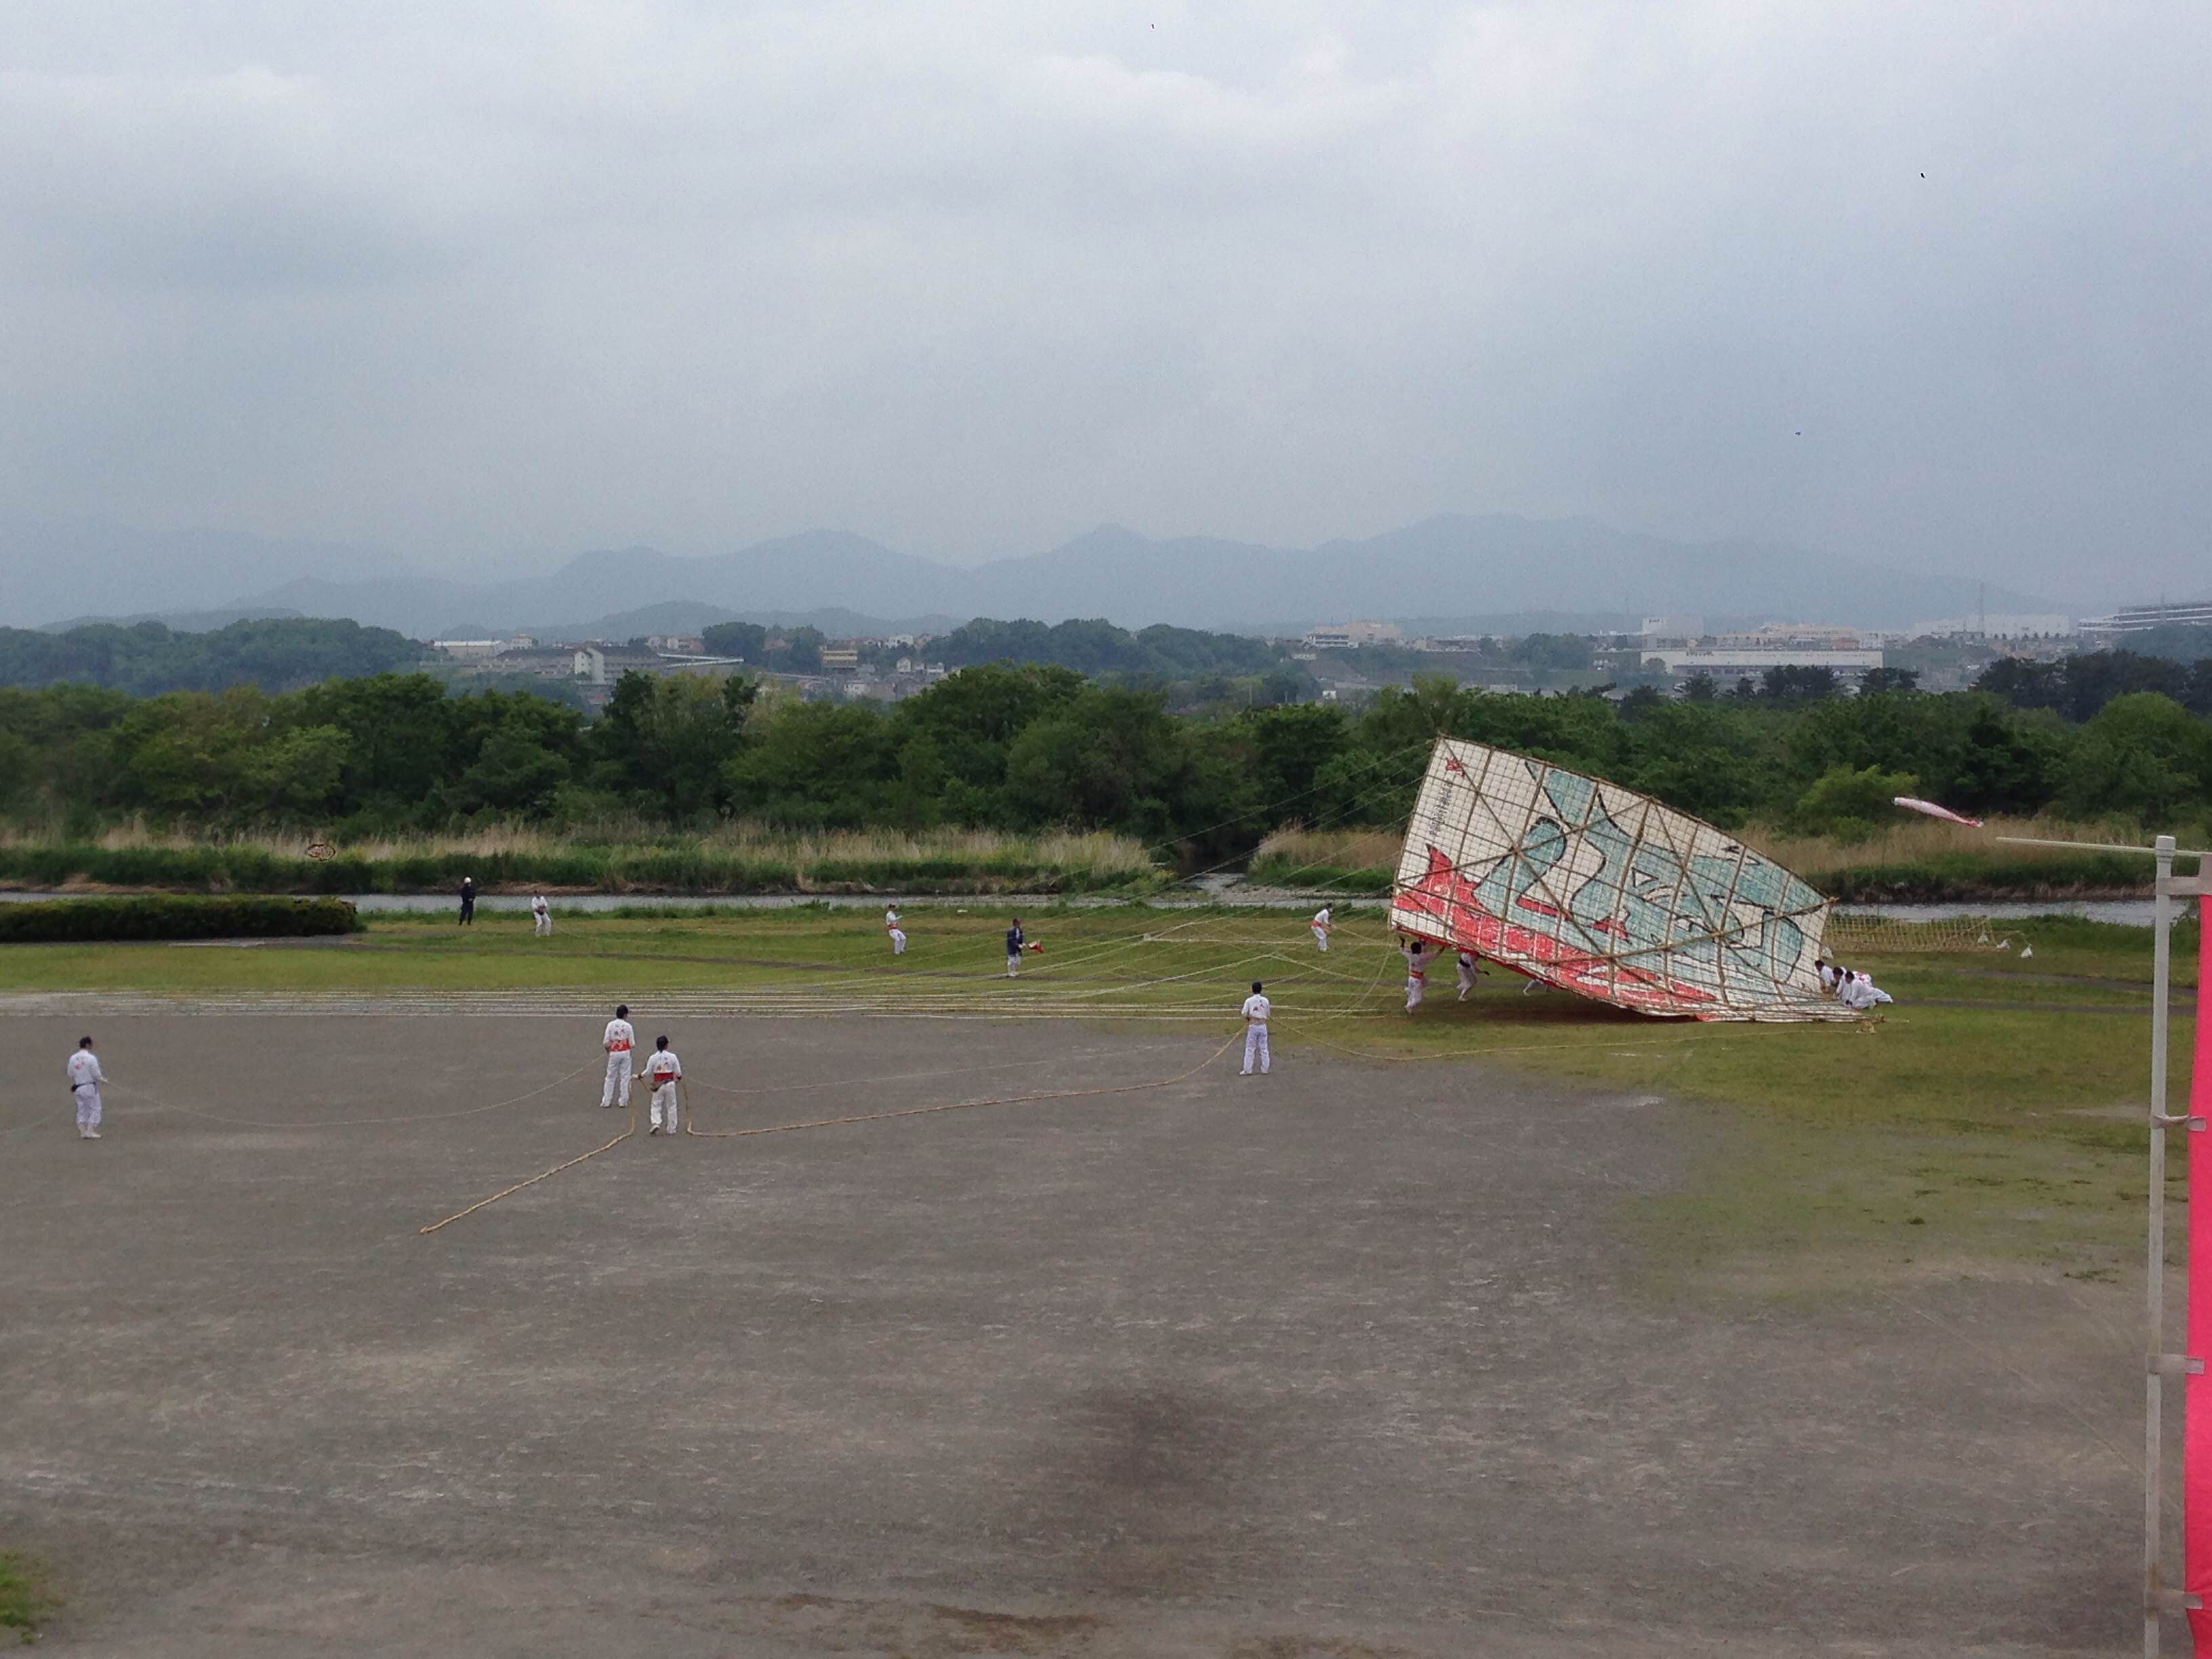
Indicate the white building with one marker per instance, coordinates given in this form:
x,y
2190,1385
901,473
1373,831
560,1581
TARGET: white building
x,y
1675,630
1726,663
1347,636
481,650
1996,625
2139,619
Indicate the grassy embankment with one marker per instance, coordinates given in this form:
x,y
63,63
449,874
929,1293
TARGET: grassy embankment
x,y
22,1600
1914,860
1993,1122
739,858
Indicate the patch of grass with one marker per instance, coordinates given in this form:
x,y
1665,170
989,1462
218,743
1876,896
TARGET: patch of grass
x,y
24,1602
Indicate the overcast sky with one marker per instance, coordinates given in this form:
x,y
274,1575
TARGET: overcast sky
x,y
488,283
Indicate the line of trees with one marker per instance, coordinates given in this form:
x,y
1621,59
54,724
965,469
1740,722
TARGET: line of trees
x,y
146,657
1029,745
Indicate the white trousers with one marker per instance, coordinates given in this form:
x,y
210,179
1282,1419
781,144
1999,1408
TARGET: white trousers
x,y
663,1099
617,1093
1466,981
542,923
898,941
1320,937
1256,1042
1416,988
87,1105
1013,964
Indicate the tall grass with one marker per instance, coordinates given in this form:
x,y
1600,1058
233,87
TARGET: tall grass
x,y
610,858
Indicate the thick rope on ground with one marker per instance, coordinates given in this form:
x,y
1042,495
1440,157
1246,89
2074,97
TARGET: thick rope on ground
x,y
961,1105
546,1175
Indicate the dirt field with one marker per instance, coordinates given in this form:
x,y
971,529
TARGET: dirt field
x,y
1355,1360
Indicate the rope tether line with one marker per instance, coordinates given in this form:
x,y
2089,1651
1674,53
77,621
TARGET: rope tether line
x,y
545,1175
156,1104
960,1105
827,1122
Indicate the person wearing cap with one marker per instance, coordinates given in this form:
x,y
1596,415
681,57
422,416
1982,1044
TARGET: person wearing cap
x,y
85,1078
468,901
1014,942
1256,1010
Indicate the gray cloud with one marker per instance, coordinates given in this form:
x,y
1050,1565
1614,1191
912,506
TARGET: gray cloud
x,y
478,278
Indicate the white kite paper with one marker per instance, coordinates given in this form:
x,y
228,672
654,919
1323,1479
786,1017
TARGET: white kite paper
x,y
1602,891
1914,804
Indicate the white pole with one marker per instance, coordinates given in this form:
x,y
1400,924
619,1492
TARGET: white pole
x,y
2154,1351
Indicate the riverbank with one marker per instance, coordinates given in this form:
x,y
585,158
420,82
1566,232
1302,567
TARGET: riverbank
x,y
957,863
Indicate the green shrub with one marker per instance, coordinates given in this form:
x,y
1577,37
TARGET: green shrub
x,y
172,916
23,1601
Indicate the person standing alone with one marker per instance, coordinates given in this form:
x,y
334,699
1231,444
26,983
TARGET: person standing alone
x,y
468,901
1322,925
620,1039
1014,942
662,1073
85,1078
895,933
1256,1010
541,917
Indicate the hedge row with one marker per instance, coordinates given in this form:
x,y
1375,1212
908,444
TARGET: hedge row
x,y
166,916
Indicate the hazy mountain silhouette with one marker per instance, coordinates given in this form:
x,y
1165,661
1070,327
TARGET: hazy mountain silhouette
x,y
1454,567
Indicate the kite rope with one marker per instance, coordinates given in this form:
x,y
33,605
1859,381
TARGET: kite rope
x,y
954,1105
546,1175
156,1104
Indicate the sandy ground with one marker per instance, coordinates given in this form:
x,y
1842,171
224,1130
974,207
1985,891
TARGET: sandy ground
x,y
1354,1359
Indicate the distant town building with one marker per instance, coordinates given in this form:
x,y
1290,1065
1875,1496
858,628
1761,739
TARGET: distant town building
x,y
481,650
1996,625
2141,618
1457,644
1793,636
845,655
675,644
1734,661
1672,630
1347,636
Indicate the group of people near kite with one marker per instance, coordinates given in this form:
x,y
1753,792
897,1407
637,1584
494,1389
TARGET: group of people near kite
x,y
1853,987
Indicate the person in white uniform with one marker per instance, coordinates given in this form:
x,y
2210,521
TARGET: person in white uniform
x,y
541,916
662,1073
1829,974
620,1039
1322,926
897,933
1256,1009
1859,992
1416,952
1468,970
85,1078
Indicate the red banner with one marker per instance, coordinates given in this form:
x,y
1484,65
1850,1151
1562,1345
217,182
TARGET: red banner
x,y
2196,1393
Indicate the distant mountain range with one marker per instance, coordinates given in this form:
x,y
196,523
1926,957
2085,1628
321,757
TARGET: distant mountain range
x,y
1471,571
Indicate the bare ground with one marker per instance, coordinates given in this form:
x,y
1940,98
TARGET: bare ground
x,y
1355,1360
